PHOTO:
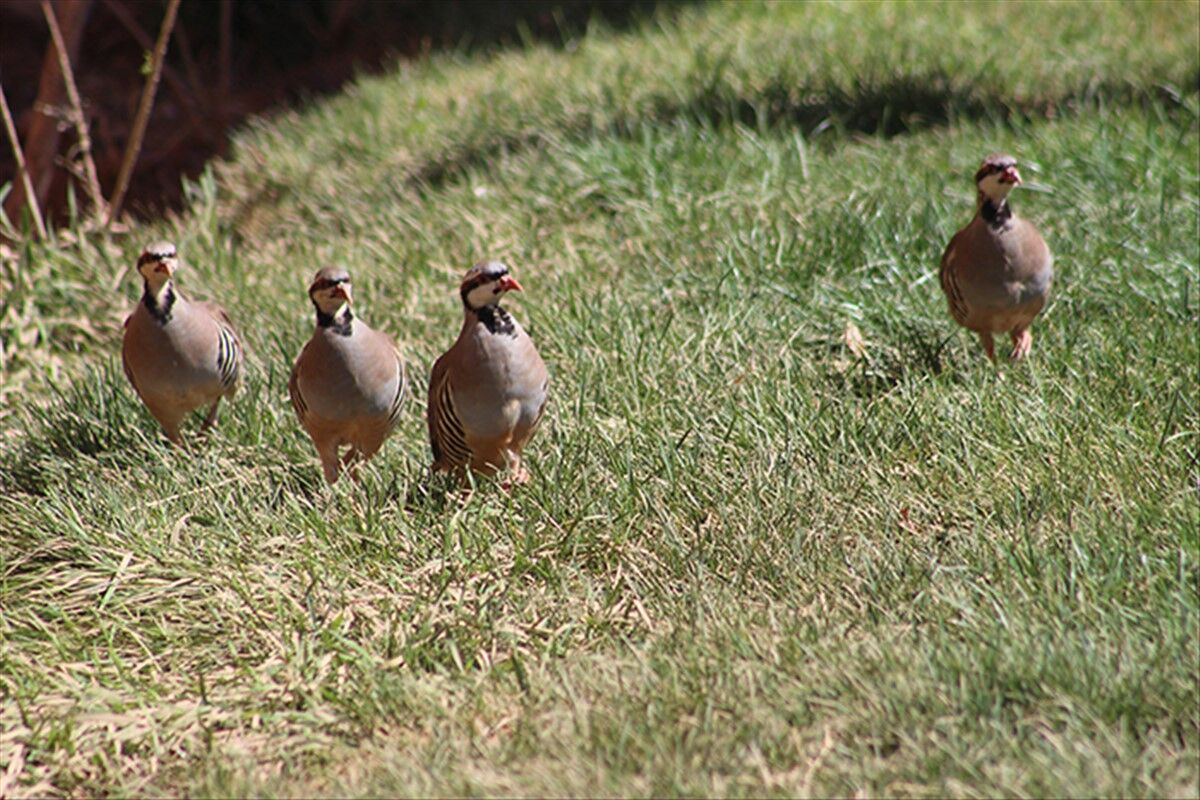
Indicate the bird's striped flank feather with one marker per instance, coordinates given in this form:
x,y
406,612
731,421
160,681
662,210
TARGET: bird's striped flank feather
x,y
958,306
298,404
398,401
446,435
229,356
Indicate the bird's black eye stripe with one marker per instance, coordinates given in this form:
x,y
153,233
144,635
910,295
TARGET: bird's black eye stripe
x,y
992,169
327,283
484,277
150,258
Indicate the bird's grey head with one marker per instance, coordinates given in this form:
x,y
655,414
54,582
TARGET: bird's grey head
x,y
997,176
330,290
158,262
485,283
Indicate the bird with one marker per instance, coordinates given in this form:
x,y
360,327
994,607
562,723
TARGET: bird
x,y
178,354
996,272
488,392
348,384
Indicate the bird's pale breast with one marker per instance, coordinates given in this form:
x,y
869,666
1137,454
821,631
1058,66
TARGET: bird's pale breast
x,y
178,359
506,387
340,378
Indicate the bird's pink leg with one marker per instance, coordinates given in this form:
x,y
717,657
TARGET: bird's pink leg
x,y
211,419
1022,341
329,462
170,427
989,345
350,461
518,475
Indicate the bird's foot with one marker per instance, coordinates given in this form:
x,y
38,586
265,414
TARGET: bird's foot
x,y
516,477
1022,344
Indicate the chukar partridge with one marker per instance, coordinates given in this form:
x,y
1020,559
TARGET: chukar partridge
x,y
179,355
996,272
488,391
348,383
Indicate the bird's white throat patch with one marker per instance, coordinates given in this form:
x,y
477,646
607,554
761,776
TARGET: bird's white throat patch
x,y
331,305
485,294
158,291
993,189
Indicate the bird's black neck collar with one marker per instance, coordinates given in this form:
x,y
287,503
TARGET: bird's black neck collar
x,y
341,324
995,214
159,305
495,319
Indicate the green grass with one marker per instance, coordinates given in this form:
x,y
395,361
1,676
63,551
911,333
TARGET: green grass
x,y
751,561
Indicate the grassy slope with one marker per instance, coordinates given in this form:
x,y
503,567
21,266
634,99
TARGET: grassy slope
x,y
750,561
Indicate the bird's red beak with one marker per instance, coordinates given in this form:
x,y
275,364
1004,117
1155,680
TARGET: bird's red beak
x,y
1010,175
509,284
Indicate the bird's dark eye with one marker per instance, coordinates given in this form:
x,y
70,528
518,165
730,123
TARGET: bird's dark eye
x,y
327,283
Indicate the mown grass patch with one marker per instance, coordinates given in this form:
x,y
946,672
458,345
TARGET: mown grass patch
x,y
752,560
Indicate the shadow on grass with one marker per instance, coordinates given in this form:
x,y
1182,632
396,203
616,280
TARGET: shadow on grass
x,y
894,106
437,492
896,357
93,417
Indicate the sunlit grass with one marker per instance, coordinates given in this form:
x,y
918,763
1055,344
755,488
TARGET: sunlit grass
x,y
752,561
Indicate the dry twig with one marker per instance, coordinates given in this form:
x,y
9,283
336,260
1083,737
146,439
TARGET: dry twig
x,y
85,140
19,157
171,76
41,136
143,113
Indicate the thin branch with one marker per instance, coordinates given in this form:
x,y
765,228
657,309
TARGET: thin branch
x,y
42,135
170,75
19,157
143,113
85,140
